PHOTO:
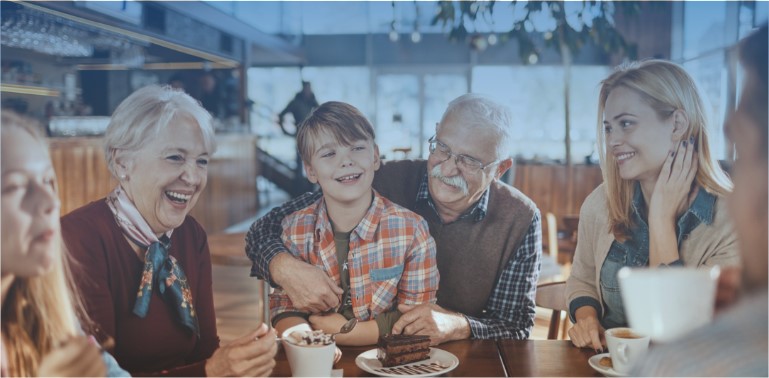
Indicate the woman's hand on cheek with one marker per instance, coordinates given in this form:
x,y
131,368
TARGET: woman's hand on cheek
x,y
671,193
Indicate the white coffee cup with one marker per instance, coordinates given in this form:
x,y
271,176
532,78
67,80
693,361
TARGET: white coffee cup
x,y
626,346
308,361
667,303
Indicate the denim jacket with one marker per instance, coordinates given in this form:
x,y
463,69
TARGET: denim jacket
x,y
634,252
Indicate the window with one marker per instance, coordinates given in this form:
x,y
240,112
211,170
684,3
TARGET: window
x,y
535,95
709,30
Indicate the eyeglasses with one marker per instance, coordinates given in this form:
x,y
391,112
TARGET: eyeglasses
x,y
465,163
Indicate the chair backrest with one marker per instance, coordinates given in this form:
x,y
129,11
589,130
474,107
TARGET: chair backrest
x,y
552,235
571,224
552,296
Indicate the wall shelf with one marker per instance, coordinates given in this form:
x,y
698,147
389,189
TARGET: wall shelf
x,y
29,89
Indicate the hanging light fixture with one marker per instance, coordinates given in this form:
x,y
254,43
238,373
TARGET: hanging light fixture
x,y
493,39
393,33
415,35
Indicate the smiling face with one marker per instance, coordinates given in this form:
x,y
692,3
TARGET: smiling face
x,y
636,137
344,172
165,177
453,191
30,206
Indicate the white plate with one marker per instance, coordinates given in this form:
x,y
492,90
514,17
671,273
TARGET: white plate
x,y
609,372
368,362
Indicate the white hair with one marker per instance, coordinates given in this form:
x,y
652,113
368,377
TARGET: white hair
x,y
475,110
146,112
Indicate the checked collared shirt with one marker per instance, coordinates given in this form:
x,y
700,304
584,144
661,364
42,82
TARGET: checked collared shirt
x,y
391,259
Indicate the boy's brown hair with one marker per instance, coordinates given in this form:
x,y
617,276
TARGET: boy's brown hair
x,y
344,122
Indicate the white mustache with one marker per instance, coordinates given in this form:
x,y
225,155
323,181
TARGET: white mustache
x,y
456,181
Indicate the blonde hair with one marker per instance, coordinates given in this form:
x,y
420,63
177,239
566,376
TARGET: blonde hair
x,y
145,112
38,312
665,87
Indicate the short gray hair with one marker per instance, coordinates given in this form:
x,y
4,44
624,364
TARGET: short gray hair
x,y
475,110
145,112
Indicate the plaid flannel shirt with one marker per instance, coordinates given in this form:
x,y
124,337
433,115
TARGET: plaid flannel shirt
x,y
391,258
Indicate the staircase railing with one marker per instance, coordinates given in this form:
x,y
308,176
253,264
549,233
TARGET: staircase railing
x,y
282,175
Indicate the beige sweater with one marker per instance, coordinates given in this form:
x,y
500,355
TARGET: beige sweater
x,y
707,245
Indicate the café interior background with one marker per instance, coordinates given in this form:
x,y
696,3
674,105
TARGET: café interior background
x,y
81,58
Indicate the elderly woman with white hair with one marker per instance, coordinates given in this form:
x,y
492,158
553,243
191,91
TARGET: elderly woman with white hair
x,y
146,267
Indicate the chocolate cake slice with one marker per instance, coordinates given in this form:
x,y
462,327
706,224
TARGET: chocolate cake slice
x,y
394,350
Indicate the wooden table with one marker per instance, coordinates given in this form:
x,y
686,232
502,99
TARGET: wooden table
x,y
486,358
545,358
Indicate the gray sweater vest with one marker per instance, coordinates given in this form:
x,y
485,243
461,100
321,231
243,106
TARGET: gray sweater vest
x,y
471,255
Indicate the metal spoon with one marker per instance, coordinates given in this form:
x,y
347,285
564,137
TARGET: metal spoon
x,y
346,327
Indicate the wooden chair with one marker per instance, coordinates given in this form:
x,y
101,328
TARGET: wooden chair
x,y
552,296
552,235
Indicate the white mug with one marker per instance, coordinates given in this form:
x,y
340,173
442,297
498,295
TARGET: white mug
x,y
308,361
667,303
626,346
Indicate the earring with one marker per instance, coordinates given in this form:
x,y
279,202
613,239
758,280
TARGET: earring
x,y
123,177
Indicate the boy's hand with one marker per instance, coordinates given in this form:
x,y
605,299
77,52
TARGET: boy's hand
x,y
330,323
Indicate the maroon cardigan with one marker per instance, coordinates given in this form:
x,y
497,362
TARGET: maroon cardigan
x,y
108,272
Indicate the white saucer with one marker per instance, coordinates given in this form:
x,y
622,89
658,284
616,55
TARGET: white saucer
x,y
609,372
368,362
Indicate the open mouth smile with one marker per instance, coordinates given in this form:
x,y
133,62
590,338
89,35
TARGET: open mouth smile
x,y
349,178
178,197
624,156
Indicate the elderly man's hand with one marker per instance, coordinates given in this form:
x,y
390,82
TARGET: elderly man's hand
x,y
432,320
309,288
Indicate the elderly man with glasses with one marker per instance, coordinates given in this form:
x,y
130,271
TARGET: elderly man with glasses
x,y
487,233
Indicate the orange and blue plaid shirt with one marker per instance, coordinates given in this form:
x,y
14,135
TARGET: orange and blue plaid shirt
x,y
391,258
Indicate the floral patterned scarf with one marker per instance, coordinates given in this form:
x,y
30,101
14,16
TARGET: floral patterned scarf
x,y
160,268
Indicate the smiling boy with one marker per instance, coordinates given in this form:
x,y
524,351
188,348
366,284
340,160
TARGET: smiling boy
x,y
380,254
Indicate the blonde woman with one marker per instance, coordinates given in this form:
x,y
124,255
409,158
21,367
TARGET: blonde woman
x,y
661,203
41,312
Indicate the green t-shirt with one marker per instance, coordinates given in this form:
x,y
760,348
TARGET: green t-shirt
x,y
385,320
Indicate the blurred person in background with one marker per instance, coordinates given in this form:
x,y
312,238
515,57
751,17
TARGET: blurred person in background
x,y
662,200
146,274
210,95
177,82
300,107
41,309
735,344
